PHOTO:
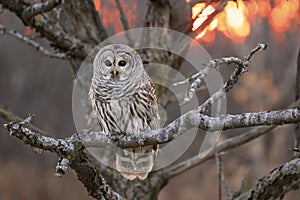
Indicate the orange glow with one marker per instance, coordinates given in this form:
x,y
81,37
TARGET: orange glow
x,y
264,8
111,15
283,13
97,4
235,20
232,21
29,31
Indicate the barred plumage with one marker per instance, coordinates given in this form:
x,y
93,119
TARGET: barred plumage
x,y
124,98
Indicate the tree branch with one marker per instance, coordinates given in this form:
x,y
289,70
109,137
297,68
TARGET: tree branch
x,y
277,183
39,8
32,43
297,96
195,119
224,146
9,116
196,79
52,31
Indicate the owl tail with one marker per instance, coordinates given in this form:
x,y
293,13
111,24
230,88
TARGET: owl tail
x,y
136,162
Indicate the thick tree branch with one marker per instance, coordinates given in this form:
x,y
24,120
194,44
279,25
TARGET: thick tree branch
x,y
277,183
52,31
224,146
71,153
195,119
39,8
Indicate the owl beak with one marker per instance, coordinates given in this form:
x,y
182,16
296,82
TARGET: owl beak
x,y
115,73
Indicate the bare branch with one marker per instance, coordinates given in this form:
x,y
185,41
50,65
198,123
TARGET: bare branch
x,y
197,78
37,140
32,43
39,8
259,47
277,183
224,146
230,193
195,119
220,174
52,31
9,116
71,152
297,96
295,149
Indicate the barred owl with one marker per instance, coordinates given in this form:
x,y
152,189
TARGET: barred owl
x,y
125,101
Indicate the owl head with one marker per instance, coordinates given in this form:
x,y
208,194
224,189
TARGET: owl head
x,y
117,62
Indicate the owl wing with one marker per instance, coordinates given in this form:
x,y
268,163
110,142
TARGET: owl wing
x,y
150,93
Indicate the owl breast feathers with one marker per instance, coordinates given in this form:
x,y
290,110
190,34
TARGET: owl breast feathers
x,y
125,101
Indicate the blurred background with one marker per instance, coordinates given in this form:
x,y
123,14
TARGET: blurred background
x,y
31,83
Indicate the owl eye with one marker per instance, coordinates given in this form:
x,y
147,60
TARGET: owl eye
x,y
107,63
122,63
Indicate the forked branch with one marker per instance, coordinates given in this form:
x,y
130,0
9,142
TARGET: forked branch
x,y
71,153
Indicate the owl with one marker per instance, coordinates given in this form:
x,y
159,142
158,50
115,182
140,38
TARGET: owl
x,y
124,99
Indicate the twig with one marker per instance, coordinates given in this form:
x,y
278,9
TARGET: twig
x,y
297,96
9,116
259,47
39,8
230,193
24,133
32,43
220,172
234,77
295,149
62,167
196,79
